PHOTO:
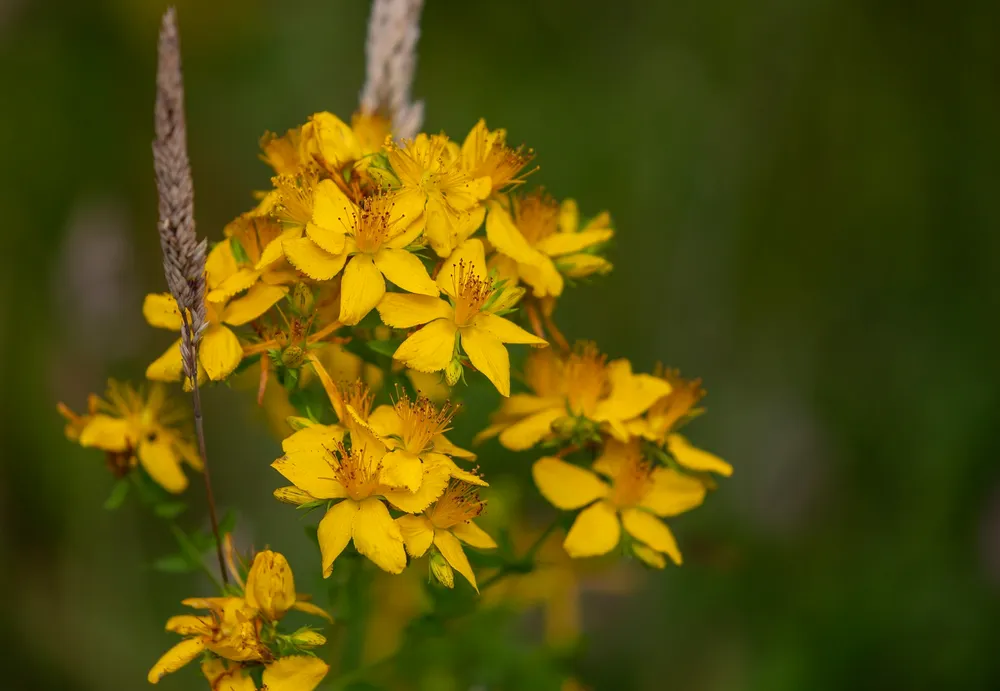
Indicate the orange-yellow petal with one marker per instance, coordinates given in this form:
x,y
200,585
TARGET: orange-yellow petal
x,y
316,263
402,311
402,469
160,460
506,238
431,348
471,534
672,493
332,209
106,432
160,310
451,550
295,673
631,394
488,355
431,487
361,289
565,485
167,367
649,529
220,352
527,432
175,658
696,459
334,532
258,300
310,608
558,244
377,536
595,531
506,330
406,271
417,532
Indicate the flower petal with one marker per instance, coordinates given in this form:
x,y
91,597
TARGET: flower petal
x,y
377,536
506,330
295,673
333,209
307,257
431,348
334,532
649,555
386,421
696,459
309,470
310,608
189,625
488,355
565,485
471,256
220,265
402,311
160,310
167,367
406,271
451,550
595,531
431,487
258,300
106,432
442,462
401,469
417,532
361,289
275,249
649,529
673,493
442,444
631,394
175,658
527,432
471,534
220,352
237,283
160,460
558,244
507,239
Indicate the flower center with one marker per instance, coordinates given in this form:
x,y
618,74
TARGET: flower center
x,y
357,395
537,216
632,481
372,227
357,470
471,292
679,403
460,503
295,197
421,421
497,160
586,379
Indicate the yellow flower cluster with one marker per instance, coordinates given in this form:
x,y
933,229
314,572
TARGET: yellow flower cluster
x,y
643,469
240,635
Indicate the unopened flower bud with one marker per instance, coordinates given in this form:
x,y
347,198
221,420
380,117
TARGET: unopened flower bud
x,y
270,585
292,357
303,298
297,423
293,495
441,571
307,638
453,372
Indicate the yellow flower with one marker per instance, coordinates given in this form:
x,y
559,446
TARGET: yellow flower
x,y
264,283
370,129
637,495
469,321
414,433
446,525
132,427
270,588
580,386
433,183
284,154
291,673
538,241
661,421
317,462
485,153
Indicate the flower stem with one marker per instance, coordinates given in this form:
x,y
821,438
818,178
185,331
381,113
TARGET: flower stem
x,y
525,564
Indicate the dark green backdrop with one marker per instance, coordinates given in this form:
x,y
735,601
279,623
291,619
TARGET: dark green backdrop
x,y
806,200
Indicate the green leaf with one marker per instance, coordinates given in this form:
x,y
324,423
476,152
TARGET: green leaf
x,y
188,544
174,563
170,510
118,493
239,253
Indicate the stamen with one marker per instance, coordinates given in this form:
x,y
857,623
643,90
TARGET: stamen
x,y
632,481
459,503
422,421
372,224
356,470
295,197
586,378
471,293
537,216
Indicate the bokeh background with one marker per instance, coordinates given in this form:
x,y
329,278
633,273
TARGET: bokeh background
x,y
806,197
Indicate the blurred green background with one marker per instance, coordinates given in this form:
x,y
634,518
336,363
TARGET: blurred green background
x,y
806,197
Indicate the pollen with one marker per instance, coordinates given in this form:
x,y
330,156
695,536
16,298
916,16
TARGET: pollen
x,y
586,378
471,292
357,470
372,224
460,503
422,421
357,395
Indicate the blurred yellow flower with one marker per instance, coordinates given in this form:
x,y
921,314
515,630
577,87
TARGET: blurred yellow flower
x,y
291,673
131,426
567,389
637,495
470,320
485,153
446,525
434,183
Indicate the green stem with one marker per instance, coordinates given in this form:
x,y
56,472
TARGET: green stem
x,y
525,564
357,591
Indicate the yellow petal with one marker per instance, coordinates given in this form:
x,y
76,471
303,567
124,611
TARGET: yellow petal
x,y
408,209
402,311
270,586
295,673
160,310
310,608
451,550
220,352
673,493
431,487
417,532
275,250
336,141
313,437
314,262
332,209
377,536
175,658
631,394
223,675
161,461
332,241
565,485
506,238
543,277
441,444
401,469
488,355
471,256
189,625
258,300
472,534
558,244
527,432
386,421
440,461
406,271
106,432
334,532
595,531
694,458
431,348
583,265
237,283
309,470
648,555
167,367
649,529
506,330
220,265
361,289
